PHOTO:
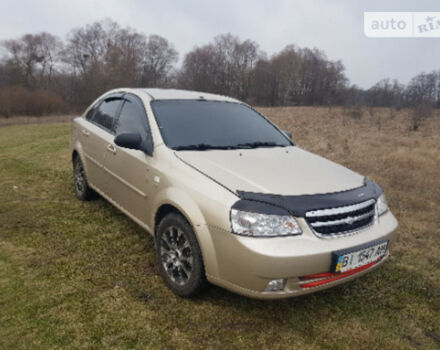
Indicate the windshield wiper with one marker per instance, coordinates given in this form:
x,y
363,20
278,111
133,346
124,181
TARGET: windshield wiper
x,y
258,144
205,146
201,147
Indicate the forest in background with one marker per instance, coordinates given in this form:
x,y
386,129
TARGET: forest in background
x,y
42,74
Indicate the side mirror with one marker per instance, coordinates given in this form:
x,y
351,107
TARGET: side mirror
x,y
288,134
133,140
129,140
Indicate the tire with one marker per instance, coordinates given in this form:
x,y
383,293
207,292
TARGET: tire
x,y
82,189
178,256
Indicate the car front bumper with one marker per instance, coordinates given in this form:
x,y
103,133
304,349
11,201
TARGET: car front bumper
x,y
245,265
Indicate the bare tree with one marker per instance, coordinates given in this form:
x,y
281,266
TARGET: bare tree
x,y
224,66
265,84
386,93
297,76
103,55
198,71
422,93
34,57
87,47
158,59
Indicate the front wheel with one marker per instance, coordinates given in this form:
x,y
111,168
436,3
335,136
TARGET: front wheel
x,y
178,256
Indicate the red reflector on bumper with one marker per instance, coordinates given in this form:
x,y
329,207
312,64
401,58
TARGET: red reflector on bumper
x,y
327,277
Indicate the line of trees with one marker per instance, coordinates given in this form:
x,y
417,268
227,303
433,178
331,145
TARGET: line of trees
x,y
40,73
424,88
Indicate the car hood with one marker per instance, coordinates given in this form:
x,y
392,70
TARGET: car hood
x,y
280,170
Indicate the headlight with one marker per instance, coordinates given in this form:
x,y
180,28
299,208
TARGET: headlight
x,y
263,225
382,205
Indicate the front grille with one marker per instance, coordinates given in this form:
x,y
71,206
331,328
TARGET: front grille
x,y
339,221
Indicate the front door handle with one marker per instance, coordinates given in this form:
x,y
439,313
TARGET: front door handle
x,y
111,148
85,132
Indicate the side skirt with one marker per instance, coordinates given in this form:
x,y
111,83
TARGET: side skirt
x,y
125,211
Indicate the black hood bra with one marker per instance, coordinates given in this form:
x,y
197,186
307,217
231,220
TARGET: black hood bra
x,y
301,204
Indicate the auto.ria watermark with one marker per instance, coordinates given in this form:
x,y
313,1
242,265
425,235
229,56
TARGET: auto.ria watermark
x,y
402,24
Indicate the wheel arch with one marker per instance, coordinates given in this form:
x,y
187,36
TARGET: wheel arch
x,y
175,200
77,151
75,154
166,209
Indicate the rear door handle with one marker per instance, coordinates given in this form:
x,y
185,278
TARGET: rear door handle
x,y
111,148
85,132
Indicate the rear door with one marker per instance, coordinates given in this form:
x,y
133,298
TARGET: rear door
x,y
96,133
129,171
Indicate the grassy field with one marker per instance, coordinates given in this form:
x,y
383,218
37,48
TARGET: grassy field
x,y
82,276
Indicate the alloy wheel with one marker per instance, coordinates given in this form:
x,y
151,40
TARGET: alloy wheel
x,y
176,255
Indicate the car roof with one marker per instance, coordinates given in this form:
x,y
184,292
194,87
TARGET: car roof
x,y
176,94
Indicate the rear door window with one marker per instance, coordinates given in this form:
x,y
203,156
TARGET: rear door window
x,y
106,113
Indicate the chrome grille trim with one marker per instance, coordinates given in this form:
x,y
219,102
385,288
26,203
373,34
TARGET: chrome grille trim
x,y
340,210
342,221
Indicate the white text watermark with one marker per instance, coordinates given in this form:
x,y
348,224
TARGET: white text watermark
x,y
402,24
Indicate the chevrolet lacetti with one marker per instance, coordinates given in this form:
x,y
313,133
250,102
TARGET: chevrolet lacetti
x,y
228,197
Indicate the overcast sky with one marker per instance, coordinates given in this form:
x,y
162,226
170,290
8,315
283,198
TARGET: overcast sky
x,y
334,26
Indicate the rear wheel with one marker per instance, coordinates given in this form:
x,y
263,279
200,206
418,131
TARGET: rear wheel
x,y
82,189
179,257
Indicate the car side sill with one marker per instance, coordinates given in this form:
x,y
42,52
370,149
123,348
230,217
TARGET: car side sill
x,y
125,211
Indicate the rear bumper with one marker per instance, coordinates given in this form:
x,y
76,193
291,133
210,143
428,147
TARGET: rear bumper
x,y
245,265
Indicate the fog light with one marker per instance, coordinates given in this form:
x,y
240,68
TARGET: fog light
x,y
276,285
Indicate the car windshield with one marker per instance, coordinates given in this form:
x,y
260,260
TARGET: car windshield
x,y
203,125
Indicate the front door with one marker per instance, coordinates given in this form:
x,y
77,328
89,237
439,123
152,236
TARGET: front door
x,y
129,171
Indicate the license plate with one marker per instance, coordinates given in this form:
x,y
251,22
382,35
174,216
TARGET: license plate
x,y
358,256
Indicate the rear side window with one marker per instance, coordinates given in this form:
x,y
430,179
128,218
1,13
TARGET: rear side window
x,y
106,113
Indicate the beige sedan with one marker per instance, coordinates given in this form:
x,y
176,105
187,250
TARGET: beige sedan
x,y
228,197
